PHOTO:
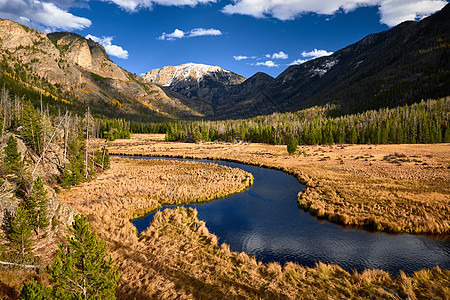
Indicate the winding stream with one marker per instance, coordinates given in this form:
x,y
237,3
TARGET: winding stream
x,y
264,221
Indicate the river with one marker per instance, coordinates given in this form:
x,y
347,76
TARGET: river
x,y
264,221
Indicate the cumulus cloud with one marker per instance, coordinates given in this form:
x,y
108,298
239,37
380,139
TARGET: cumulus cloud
x,y
176,34
136,5
279,55
179,34
240,57
203,31
392,12
42,15
113,50
267,63
310,55
316,53
298,62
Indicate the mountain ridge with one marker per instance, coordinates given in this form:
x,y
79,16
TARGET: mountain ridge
x,y
77,70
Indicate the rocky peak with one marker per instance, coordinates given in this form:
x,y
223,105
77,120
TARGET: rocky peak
x,y
14,35
171,75
75,47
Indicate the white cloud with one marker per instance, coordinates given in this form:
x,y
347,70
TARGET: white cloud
x,y
178,34
202,31
279,55
136,5
392,12
240,57
310,55
111,49
316,53
42,15
298,62
267,63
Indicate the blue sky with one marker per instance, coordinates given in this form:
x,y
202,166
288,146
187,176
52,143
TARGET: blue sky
x,y
243,36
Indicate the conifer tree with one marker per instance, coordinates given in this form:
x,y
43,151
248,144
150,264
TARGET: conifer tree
x,y
82,268
292,144
34,291
12,159
37,206
32,128
20,240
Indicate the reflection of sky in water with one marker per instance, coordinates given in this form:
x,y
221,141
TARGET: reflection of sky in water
x,y
265,221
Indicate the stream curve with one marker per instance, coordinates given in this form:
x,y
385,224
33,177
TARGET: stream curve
x,y
264,221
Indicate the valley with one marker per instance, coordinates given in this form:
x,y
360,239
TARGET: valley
x,y
363,134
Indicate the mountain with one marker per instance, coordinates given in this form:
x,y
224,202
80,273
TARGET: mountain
x,y
399,66
74,72
203,84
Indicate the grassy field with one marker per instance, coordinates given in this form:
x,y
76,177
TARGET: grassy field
x,y
396,188
177,257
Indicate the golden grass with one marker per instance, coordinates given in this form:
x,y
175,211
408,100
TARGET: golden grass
x,y
134,187
396,188
178,258
11,280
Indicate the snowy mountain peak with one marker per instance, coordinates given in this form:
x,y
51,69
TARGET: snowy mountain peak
x,y
171,75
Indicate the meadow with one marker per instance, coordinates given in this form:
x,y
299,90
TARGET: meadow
x,y
177,256
394,188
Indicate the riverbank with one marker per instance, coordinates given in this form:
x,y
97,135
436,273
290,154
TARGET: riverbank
x,y
394,188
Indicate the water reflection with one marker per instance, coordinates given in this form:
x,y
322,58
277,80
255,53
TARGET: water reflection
x,y
265,221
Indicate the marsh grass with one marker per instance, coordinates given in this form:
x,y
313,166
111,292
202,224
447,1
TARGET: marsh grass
x,y
379,187
178,258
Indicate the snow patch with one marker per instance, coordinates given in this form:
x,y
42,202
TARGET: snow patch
x,y
186,72
324,68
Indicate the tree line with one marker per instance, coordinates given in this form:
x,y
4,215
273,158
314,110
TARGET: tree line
x,y
423,122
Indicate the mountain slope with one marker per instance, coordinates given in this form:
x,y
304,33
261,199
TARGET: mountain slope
x,y
402,65
76,72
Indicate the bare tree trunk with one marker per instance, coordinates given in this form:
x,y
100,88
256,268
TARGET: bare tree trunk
x,y
87,144
46,146
66,136
103,157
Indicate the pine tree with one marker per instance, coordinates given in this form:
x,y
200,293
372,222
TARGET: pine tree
x,y
13,159
292,144
20,240
32,132
101,158
34,291
83,269
37,206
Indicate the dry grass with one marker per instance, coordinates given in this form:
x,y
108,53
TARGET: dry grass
x,y
397,188
178,258
11,280
135,187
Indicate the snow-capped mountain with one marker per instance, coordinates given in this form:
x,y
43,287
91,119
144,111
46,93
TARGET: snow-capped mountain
x,y
203,85
172,75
